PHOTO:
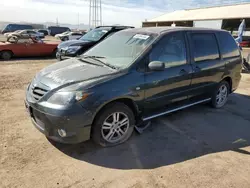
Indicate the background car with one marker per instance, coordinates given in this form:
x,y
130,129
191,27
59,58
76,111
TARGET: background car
x,y
44,31
69,35
9,33
245,41
53,30
25,47
15,27
26,33
73,48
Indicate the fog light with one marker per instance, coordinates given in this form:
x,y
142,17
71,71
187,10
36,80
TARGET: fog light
x,y
61,132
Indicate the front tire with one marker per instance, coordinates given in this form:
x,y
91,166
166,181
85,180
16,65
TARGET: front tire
x,y
220,95
54,53
58,56
113,125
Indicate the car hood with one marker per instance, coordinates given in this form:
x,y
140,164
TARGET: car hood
x,y
74,43
71,71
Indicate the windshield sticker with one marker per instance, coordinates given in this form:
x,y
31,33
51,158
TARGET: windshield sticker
x,y
104,31
140,36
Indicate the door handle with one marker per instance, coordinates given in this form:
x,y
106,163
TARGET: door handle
x,y
183,72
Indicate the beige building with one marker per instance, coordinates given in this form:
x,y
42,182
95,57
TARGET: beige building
x,y
225,17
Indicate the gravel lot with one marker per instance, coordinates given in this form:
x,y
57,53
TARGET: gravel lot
x,y
196,147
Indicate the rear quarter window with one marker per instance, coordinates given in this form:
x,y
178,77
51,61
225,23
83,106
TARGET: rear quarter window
x,y
228,45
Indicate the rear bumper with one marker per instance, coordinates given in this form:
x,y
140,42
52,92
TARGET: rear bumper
x,y
76,126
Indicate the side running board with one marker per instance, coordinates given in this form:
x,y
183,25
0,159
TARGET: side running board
x,y
175,109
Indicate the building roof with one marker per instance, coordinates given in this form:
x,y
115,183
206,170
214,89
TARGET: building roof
x,y
210,13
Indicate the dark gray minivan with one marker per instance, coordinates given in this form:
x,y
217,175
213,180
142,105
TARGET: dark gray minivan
x,y
131,77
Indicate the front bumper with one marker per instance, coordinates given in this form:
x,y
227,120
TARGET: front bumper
x,y
62,54
77,125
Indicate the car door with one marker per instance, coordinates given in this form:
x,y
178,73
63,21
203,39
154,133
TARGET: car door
x,y
208,66
35,48
19,48
173,83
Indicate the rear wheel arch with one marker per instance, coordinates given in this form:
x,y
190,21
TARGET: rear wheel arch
x,y
229,81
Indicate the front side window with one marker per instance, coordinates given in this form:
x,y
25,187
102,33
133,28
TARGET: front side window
x,y
205,47
170,50
95,34
122,48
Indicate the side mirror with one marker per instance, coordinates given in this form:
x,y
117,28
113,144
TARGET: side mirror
x,y
156,66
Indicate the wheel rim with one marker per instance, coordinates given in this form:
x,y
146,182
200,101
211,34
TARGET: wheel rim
x,y
221,96
115,127
6,55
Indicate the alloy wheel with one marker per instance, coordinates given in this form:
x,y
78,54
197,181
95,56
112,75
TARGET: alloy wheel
x,y
221,97
115,127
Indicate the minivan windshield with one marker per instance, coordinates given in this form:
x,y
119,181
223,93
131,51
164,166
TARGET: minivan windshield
x,y
122,48
95,34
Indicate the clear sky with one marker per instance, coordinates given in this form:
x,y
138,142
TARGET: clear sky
x,y
129,12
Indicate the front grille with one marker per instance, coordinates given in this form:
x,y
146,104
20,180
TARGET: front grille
x,y
38,92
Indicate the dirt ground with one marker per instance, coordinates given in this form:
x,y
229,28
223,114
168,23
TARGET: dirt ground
x,y
196,147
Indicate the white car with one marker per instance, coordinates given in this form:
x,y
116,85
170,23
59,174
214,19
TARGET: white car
x,y
9,33
24,33
69,35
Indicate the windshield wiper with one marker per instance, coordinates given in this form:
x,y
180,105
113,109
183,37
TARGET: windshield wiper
x,y
89,62
97,58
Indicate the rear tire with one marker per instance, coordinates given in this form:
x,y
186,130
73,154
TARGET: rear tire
x,y
113,125
220,95
6,55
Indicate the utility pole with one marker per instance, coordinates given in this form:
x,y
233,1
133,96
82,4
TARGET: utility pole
x,y
57,24
95,13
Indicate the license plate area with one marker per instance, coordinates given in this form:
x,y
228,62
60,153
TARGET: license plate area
x,y
37,118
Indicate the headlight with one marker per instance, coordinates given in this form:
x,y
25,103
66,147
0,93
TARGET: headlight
x,y
67,98
73,49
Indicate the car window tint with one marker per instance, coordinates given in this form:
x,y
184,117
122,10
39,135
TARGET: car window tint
x,y
229,48
205,47
170,50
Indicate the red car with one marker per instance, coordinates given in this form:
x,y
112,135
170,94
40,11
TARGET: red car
x,y
245,43
20,47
